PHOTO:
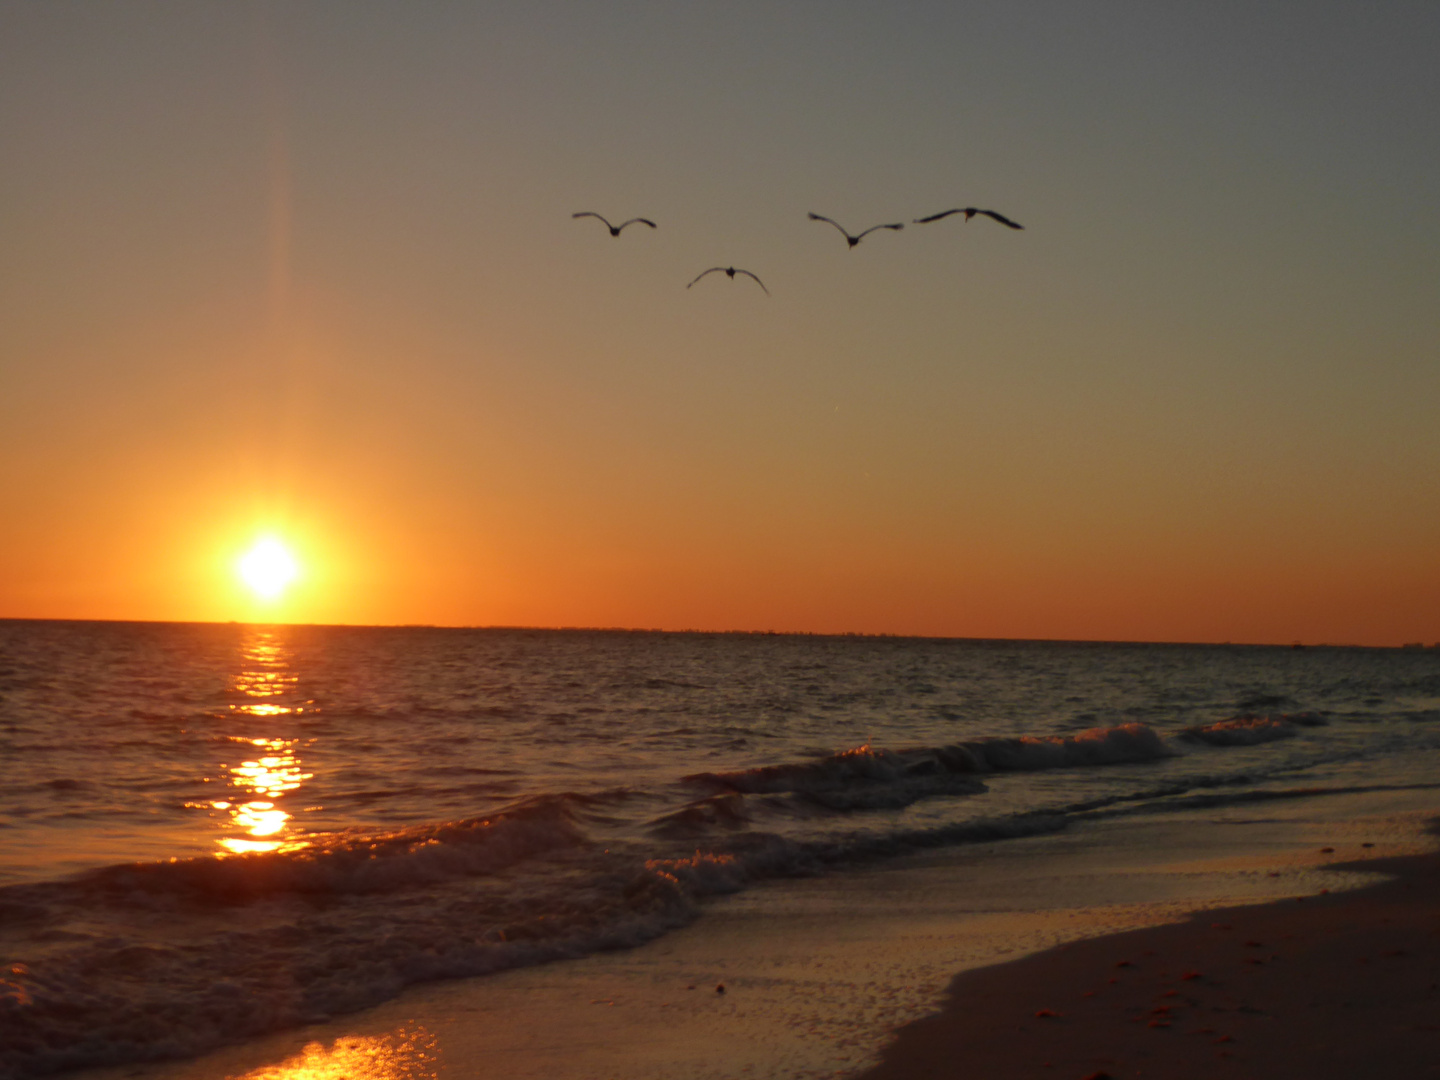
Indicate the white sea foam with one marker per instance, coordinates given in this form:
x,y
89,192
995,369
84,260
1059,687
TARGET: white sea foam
x,y
455,803
1251,730
870,777
1124,743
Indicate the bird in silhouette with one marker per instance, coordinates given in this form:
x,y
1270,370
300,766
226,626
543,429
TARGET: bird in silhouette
x,y
969,212
615,229
730,272
853,240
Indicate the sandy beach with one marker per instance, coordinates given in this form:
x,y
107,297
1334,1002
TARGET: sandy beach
x,y
820,975
662,541
1332,986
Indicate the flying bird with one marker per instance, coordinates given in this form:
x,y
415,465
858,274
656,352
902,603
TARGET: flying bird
x,y
730,272
615,229
969,212
852,240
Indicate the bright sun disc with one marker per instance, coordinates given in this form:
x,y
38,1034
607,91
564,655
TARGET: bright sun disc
x,y
268,568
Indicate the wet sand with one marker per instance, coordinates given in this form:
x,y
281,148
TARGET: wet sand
x,y
1330,986
820,974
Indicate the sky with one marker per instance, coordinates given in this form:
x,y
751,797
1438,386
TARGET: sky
x,y
308,271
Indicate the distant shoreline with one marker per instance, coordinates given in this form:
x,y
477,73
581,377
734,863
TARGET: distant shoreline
x,y
1410,646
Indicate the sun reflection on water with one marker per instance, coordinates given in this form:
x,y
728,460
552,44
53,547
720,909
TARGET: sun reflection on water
x,y
273,771
404,1054
266,673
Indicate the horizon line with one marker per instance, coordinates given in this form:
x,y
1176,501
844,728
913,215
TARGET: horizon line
x,y
494,627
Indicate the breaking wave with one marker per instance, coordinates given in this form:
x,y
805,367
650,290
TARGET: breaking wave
x,y
867,776
144,961
1251,730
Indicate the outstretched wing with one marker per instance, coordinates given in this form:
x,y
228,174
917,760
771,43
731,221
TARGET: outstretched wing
x,y
872,228
1001,218
642,220
710,271
937,217
591,213
757,280
832,221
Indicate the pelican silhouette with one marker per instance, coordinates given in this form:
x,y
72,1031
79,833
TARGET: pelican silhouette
x,y
730,272
852,240
969,212
615,229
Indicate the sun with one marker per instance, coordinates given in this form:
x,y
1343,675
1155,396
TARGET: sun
x,y
268,568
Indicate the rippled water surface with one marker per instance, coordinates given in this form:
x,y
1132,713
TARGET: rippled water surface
x,y
270,824
140,741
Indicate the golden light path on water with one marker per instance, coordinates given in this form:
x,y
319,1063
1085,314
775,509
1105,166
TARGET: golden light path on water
x,y
404,1054
274,770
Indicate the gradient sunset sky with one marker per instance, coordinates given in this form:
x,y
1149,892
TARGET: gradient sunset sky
x,y
308,270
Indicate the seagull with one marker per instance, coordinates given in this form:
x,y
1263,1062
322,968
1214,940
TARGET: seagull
x,y
852,240
615,229
969,212
730,272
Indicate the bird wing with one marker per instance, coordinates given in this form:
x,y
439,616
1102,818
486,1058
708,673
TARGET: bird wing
x,y
822,217
642,220
591,213
872,228
710,271
1002,219
757,280
937,217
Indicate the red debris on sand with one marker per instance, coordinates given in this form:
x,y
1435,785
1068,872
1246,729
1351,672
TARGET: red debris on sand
x,y
1097,1076
1316,1018
1124,963
1041,1014
1221,926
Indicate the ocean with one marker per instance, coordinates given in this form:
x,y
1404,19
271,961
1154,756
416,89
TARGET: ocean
x,y
211,832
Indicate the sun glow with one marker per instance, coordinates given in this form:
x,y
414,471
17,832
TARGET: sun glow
x,y
268,568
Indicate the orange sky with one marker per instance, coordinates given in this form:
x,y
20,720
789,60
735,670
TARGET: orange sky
x,y
312,272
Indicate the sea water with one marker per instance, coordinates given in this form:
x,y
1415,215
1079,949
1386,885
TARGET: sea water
x,y
208,832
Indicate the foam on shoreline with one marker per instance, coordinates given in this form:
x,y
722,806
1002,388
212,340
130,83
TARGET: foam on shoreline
x,y
1326,987
819,973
